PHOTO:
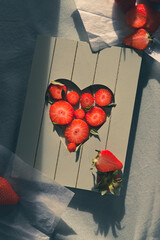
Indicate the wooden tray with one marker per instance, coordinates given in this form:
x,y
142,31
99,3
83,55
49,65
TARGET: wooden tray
x,y
117,68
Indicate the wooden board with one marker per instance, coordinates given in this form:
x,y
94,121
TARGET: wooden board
x,y
38,144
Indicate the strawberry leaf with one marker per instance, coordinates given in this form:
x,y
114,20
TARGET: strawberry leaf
x,y
112,105
78,147
94,132
57,83
88,108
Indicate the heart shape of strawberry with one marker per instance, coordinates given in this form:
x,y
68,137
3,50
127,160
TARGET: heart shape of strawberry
x,y
77,114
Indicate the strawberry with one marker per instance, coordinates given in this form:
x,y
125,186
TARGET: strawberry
x,y
61,112
72,98
105,161
77,131
95,117
140,39
143,16
103,97
55,91
86,100
79,113
71,147
125,5
7,194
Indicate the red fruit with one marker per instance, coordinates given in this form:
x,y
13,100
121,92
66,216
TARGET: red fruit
x,y
79,113
95,117
86,100
56,91
77,131
143,16
125,5
7,194
140,39
73,98
61,112
105,161
71,147
103,97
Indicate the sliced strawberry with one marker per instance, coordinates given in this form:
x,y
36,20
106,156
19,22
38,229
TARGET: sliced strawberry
x,y
56,91
7,194
125,5
105,161
71,147
61,112
95,117
73,98
86,100
77,131
79,113
140,39
143,16
103,97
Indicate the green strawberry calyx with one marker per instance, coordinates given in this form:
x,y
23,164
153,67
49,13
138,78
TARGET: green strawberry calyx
x,y
110,182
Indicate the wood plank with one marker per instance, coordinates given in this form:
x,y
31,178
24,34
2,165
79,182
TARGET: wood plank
x,y
106,74
83,74
125,97
49,142
34,102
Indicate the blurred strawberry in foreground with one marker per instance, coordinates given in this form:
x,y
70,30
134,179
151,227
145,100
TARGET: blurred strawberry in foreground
x,y
77,131
125,5
140,39
7,194
105,161
143,16
61,112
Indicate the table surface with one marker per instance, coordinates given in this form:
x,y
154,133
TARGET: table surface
x,y
133,215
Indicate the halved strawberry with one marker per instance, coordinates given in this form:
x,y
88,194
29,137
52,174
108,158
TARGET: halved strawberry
x,y
140,39
105,161
71,147
61,112
79,113
73,98
95,117
7,194
103,97
55,91
125,5
77,131
143,16
86,100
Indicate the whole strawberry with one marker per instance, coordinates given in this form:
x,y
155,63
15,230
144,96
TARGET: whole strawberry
x,y
125,5
55,91
79,113
61,112
140,39
143,16
86,100
73,98
105,161
95,117
71,147
7,194
77,131
103,97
